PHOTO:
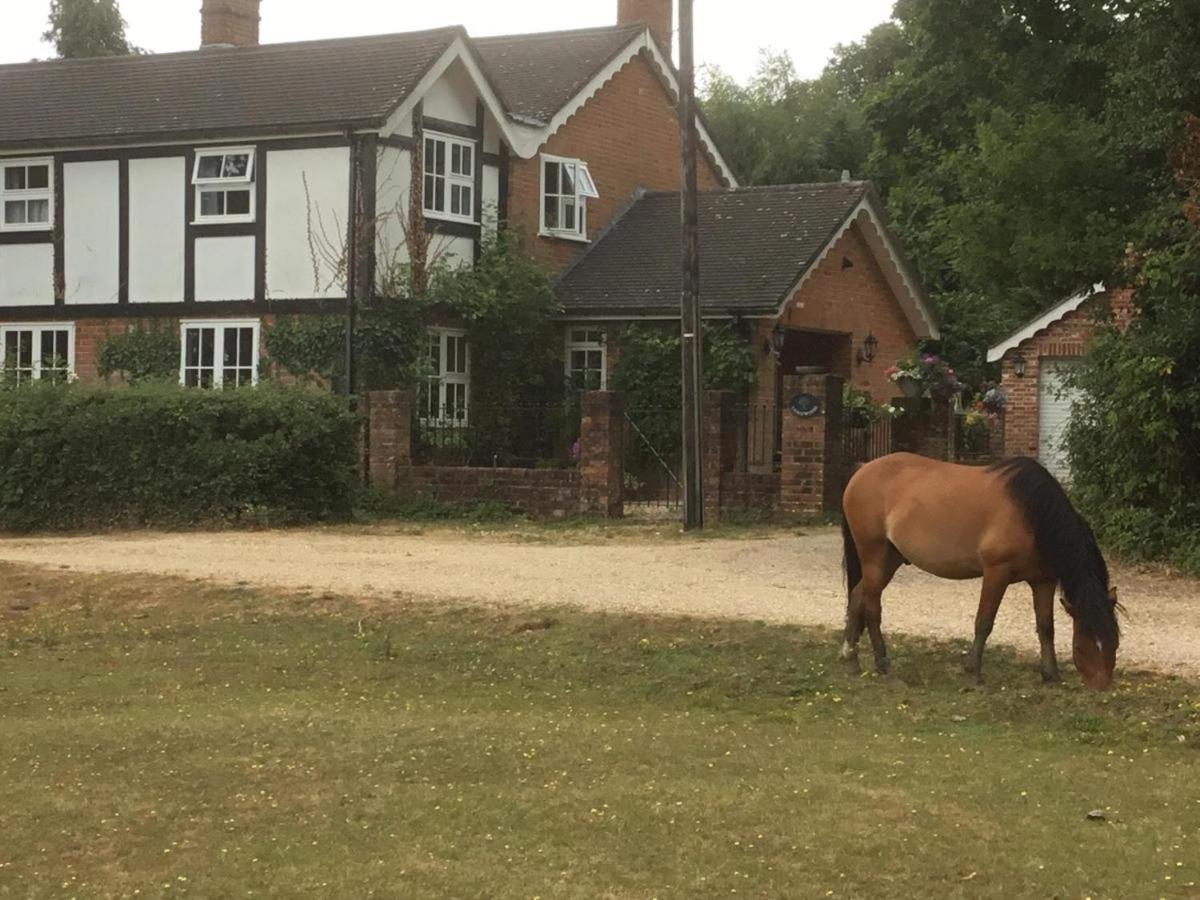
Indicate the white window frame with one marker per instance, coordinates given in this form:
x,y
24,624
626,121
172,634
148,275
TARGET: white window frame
x,y
442,380
222,327
465,182
38,328
27,194
594,339
225,184
585,188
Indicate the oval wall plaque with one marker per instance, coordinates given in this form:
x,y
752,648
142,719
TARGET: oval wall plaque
x,y
805,405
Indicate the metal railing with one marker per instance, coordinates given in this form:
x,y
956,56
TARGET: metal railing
x,y
508,435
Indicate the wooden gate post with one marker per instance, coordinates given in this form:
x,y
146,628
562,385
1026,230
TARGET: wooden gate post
x,y
811,474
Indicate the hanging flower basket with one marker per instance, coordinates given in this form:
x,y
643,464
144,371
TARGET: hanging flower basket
x,y
909,386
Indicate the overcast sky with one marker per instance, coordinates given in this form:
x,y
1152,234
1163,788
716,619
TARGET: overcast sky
x,y
729,33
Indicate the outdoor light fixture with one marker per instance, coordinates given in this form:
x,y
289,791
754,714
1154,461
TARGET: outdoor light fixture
x,y
1019,365
847,262
778,338
866,353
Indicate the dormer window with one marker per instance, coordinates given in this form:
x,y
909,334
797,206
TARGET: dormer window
x,y
449,187
566,186
224,180
26,195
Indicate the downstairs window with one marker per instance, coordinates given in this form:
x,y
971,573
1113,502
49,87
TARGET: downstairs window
x,y
37,352
219,354
446,394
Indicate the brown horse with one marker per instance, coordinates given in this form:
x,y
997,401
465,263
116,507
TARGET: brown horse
x,y
1008,522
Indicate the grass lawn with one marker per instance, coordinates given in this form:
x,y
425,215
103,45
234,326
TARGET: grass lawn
x,y
165,737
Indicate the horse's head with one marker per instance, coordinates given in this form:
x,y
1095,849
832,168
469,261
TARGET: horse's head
x,y
1094,649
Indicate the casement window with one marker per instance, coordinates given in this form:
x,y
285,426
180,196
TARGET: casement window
x,y
26,194
566,186
219,354
224,182
586,359
37,352
446,394
449,189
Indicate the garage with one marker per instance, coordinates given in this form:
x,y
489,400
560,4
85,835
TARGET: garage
x,y
1036,363
1055,399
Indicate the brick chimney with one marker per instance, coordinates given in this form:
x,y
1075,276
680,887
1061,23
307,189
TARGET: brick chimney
x,y
658,14
229,23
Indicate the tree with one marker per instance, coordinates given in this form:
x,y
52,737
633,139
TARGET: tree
x,y
87,28
779,129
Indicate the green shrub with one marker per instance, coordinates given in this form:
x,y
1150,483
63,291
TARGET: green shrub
x,y
74,457
143,353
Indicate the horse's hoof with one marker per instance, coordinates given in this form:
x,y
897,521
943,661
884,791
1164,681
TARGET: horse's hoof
x,y
1051,678
851,665
883,666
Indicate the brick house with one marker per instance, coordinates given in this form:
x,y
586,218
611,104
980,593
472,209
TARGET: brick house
x,y
1036,362
210,191
807,272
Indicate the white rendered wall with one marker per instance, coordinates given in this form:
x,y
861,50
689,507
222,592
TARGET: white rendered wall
x,y
452,97
91,227
225,268
491,197
393,176
455,252
307,199
26,274
156,229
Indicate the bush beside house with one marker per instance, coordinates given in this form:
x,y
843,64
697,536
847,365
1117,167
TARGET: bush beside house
x,y
78,457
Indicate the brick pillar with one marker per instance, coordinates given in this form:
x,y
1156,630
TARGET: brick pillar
x,y
811,475
720,449
602,455
926,427
389,436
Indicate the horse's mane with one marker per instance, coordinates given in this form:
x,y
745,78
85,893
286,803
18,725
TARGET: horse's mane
x,y
1065,543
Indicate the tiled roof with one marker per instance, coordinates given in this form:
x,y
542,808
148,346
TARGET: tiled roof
x,y
278,88
274,87
536,74
755,244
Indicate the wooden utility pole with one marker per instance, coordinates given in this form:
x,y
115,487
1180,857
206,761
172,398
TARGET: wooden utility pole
x,y
352,235
689,302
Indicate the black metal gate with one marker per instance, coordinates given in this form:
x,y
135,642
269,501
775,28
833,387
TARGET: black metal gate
x,y
653,458
863,441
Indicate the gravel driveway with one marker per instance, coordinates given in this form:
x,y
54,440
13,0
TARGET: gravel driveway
x,y
793,579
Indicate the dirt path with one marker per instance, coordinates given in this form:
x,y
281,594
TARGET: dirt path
x,y
794,579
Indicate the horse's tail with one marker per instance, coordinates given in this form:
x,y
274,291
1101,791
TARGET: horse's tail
x,y
1066,544
851,564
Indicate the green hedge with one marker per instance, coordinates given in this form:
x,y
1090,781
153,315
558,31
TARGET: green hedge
x,y
74,457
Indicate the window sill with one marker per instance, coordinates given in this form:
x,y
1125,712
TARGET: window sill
x,y
26,229
224,220
447,217
564,236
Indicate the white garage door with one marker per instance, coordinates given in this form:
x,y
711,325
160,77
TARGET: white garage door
x,y
1054,411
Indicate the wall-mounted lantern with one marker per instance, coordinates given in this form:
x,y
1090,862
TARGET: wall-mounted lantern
x,y
778,339
1019,365
870,346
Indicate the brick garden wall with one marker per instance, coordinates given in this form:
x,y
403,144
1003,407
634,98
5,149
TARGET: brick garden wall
x,y
595,487
542,493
